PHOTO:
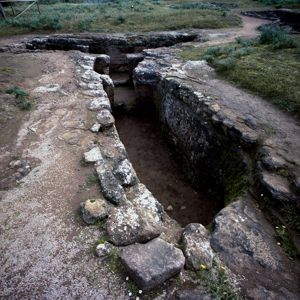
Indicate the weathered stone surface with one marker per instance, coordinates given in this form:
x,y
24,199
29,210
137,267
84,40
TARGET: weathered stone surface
x,y
104,43
133,60
108,86
197,249
128,224
243,237
277,186
150,264
125,173
99,103
105,118
93,210
101,64
144,199
110,186
104,249
95,128
93,155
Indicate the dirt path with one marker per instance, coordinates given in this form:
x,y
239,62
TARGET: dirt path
x,y
45,252
249,30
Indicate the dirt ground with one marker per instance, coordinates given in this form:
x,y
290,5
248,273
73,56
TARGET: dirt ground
x,y
46,252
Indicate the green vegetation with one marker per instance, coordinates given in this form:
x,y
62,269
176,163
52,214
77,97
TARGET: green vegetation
x,y
269,65
276,36
91,180
216,282
291,217
116,16
285,241
21,98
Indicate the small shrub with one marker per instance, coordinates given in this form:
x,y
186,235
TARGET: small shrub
x,y
217,282
18,92
21,101
277,36
24,104
226,64
120,20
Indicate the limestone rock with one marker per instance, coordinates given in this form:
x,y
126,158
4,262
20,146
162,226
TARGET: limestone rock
x,y
95,128
127,225
108,86
150,264
110,187
197,249
93,210
99,103
105,118
101,64
104,249
144,199
93,155
243,237
125,173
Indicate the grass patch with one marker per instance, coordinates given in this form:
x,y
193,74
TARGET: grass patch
x,y
91,180
268,66
285,241
135,15
217,283
21,99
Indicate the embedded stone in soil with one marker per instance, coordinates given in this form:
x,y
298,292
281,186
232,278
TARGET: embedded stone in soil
x,y
157,165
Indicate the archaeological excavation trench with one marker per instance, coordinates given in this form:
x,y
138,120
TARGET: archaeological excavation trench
x,y
170,147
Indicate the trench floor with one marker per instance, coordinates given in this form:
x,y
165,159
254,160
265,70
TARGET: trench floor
x,y
158,166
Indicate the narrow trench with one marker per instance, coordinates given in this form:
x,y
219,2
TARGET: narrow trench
x,y
156,163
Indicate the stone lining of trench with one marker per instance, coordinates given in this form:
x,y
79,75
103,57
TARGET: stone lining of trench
x,y
135,216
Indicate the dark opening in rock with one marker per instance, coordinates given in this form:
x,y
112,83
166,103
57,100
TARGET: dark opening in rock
x,y
157,164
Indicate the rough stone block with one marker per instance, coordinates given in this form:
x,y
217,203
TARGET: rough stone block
x,y
101,64
150,264
128,224
93,210
110,186
197,248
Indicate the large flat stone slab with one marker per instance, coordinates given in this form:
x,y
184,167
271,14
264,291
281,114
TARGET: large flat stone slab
x,y
150,264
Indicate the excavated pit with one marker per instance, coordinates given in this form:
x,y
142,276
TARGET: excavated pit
x,y
156,162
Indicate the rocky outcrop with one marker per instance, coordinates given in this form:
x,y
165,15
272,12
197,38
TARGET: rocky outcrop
x,y
152,263
245,242
196,247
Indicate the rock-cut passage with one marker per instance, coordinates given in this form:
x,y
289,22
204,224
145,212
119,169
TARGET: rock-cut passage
x,y
156,163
